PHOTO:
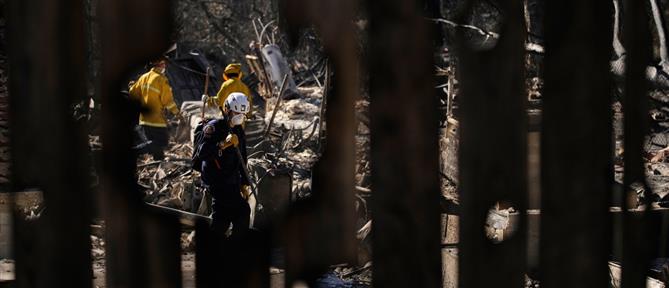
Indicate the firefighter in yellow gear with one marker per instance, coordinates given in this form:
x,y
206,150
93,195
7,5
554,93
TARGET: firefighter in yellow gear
x,y
233,83
154,93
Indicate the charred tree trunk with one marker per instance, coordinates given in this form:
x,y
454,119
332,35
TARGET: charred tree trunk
x,y
5,160
576,188
617,45
319,231
617,65
132,32
526,14
637,242
659,73
661,36
404,147
46,49
505,167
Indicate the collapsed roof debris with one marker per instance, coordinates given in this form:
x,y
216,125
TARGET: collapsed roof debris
x,y
284,141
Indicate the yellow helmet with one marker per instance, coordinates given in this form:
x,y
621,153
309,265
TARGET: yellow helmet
x,y
234,68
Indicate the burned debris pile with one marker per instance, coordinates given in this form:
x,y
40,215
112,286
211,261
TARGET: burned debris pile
x,y
656,152
285,138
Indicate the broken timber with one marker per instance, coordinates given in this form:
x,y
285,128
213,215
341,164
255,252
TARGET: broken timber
x,y
186,219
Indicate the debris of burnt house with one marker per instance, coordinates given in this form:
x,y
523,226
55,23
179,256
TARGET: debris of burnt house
x,y
186,73
490,161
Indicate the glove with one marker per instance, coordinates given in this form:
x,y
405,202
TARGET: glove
x,y
205,98
182,119
179,116
231,140
183,115
204,121
245,192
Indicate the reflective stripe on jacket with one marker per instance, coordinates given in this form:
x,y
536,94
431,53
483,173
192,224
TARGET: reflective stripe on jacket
x,y
230,86
155,94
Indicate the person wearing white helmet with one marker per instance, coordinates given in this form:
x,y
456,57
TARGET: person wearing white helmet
x,y
216,158
236,107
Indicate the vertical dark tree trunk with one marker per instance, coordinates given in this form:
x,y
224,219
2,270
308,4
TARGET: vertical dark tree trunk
x,y
637,240
576,144
404,147
498,173
47,64
661,36
320,230
132,33
618,48
4,108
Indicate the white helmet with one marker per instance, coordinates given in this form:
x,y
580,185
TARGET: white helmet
x,y
237,102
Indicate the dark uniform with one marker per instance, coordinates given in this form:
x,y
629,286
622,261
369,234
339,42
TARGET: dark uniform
x,y
223,176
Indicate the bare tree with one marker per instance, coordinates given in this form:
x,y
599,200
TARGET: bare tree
x,y
617,45
659,73
526,13
659,29
617,65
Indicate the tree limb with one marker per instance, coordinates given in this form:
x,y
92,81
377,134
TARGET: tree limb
x,y
659,27
471,27
530,47
617,45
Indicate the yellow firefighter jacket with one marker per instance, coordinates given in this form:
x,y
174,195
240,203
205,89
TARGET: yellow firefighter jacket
x,y
155,94
232,85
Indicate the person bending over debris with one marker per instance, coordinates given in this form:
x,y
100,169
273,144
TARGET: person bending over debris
x,y
233,83
216,158
155,94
